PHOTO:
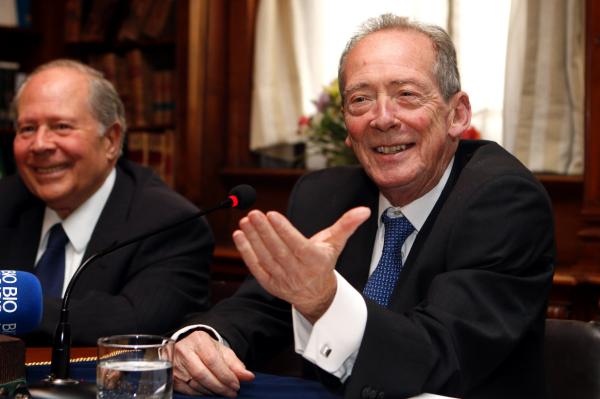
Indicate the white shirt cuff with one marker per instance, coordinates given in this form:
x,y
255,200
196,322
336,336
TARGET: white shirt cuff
x,y
333,342
201,327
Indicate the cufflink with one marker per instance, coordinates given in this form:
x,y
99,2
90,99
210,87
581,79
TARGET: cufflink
x,y
325,350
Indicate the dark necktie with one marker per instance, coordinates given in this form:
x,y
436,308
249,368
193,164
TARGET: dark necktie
x,y
51,266
382,281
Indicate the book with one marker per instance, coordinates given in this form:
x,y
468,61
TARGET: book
x,y
155,150
96,22
139,85
163,104
72,20
107,64
137,147
132,25
160,19
160,155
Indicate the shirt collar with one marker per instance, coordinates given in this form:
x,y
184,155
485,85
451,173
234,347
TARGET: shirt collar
x,y
80,224
417,211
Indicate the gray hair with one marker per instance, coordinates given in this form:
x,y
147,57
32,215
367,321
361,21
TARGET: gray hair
x,y
445,68
104,101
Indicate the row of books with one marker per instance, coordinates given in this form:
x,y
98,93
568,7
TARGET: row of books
x,y
147,93
114,20
153,149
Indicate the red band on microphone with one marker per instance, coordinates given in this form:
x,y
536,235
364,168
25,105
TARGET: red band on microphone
x,y
235,201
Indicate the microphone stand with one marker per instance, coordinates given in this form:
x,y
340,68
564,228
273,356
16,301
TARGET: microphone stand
x,y
55,384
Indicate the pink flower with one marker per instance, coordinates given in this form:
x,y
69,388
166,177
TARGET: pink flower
x,y
303,121
323,101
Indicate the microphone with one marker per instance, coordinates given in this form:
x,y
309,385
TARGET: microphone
x,y
21,302
241,197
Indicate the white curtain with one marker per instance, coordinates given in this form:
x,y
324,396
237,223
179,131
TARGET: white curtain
x,y
544,89
286,68
479,30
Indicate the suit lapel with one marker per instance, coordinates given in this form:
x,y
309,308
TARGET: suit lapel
x,y
27,237
113,218
354,261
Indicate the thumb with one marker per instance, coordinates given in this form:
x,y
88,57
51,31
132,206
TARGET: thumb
x,y
338,233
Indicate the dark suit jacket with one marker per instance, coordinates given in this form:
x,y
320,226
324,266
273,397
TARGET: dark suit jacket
x,y
467,316
145,287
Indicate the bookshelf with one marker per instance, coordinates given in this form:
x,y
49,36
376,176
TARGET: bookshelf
x,y
133,44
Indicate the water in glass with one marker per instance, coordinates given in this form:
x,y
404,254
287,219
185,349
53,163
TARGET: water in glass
x,y
140,379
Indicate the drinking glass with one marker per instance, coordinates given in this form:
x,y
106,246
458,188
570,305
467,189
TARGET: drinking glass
x,y
135,366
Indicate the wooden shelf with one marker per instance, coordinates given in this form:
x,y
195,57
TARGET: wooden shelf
x,y
150,128
17,35
120,47
559,179
266,173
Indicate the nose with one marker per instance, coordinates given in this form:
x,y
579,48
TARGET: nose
x,y
41,140
385,115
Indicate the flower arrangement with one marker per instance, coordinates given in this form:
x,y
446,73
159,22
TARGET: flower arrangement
x,y
325,129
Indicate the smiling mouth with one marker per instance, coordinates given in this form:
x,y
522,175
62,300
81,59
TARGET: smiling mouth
x,y
394,149
50,169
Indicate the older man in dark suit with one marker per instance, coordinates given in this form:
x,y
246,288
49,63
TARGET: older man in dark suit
x,y
73,197
426,269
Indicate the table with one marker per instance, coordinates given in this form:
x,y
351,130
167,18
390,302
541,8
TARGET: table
x,y
265,386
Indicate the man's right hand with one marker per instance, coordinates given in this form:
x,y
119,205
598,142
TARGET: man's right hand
x,y
203,366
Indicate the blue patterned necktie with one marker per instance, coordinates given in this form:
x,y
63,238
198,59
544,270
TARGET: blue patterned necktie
x,y
382,281
51,266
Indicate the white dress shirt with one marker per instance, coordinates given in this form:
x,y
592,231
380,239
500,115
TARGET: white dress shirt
x,y
78,226
332,343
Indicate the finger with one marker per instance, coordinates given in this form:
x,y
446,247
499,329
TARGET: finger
x,y
264,243
184,386
257,230
280,252
249,257
237,366
338,233
294,241
219,378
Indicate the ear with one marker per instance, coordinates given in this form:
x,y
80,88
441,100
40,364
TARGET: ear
x,y
113,139
460,114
